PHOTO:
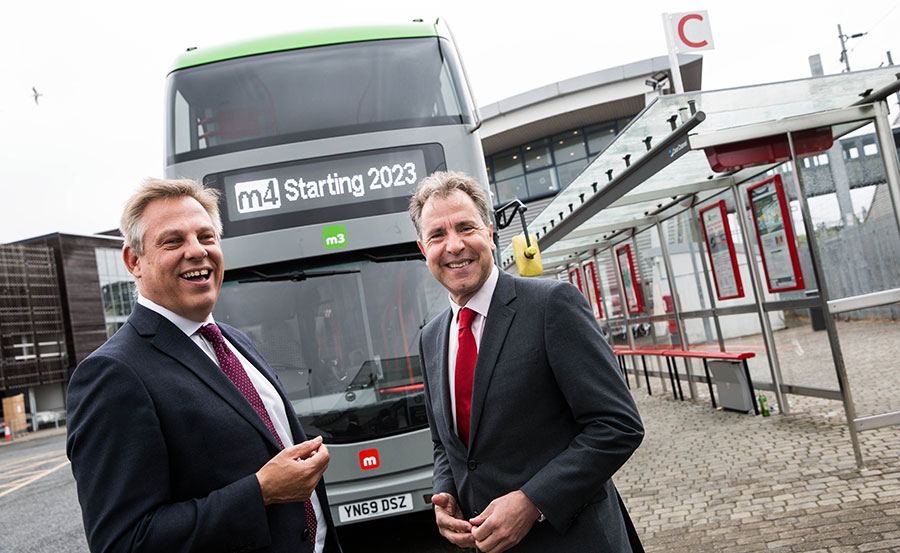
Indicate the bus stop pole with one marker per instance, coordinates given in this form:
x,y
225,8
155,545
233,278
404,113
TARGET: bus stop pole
x,y
830,328
889,152
676,308
768,339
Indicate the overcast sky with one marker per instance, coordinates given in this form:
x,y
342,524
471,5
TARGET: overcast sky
x,y
68,163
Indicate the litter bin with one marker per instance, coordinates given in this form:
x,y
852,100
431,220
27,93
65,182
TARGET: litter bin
x,y
816,315
735,393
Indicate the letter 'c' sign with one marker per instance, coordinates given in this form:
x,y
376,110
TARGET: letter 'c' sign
x,y
690,31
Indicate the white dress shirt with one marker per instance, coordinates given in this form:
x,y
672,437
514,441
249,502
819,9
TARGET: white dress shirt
x,y
480,303
267,392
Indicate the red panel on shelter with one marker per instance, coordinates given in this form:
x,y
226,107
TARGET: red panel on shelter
x,y
769,149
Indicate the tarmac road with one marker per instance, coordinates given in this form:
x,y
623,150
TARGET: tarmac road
x,y
39,511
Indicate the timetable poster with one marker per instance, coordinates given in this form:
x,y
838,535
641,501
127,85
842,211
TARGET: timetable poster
x,y
720,247
772,218
629,279
593,289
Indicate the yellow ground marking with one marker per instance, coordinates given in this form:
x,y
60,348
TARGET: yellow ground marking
x,y
24,459
35,478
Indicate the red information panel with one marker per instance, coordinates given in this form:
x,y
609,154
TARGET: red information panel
x,y
772,219
593,289
575,278
629,279
720,247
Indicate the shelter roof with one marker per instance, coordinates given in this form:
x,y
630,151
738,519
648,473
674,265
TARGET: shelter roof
x,y
611,197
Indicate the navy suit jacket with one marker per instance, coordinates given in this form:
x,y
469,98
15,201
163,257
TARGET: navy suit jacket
x,y
551,416
164,449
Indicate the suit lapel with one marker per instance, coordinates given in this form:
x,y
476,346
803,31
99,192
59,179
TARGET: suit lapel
x,y
499,319
172,342
441,384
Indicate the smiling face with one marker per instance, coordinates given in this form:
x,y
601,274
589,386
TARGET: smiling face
x,y
457,245
181,268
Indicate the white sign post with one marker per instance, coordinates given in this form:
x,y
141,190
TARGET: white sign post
x,y
685,32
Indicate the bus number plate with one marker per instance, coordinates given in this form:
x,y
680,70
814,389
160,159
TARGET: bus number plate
x,y
375,507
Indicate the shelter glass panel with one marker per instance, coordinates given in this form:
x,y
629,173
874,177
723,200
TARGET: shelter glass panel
x,y
852,213
804,353
870,352
742,333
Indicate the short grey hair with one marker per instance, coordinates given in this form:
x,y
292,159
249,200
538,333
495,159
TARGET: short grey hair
x,y
442,184
132,224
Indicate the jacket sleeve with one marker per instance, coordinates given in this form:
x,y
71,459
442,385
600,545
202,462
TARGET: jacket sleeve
x,y
442,479
588,377
122,470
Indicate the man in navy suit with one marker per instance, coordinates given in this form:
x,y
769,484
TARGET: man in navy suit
x,y
529,414
180,435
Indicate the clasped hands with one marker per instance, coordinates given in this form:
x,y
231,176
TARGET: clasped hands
x,y
502,525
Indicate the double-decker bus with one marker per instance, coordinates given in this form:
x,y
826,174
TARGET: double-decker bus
x,y
316,140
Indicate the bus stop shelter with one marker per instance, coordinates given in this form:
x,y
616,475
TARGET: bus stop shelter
x,y
762,218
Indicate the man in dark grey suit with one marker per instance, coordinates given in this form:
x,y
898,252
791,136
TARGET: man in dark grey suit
x,y
180,435
529,415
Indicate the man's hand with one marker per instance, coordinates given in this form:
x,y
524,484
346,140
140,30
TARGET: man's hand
x,y
504,523
292,475
450,521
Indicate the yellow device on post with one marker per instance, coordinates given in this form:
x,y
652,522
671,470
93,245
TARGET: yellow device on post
x,y
528,258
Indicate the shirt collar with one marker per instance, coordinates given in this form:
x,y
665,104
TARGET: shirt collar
x,y
187,326
481,301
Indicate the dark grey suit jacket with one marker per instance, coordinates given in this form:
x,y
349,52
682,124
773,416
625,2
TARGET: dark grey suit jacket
x,y
165,448
551,416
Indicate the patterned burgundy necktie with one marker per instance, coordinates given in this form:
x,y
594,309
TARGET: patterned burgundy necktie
x,y
235,372
465,371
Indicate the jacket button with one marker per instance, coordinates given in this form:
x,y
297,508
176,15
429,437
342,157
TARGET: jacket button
x,y
473,465
305,534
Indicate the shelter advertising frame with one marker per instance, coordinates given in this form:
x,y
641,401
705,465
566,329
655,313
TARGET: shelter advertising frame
x,y
721,251
575,278
630,284
774,233
590,277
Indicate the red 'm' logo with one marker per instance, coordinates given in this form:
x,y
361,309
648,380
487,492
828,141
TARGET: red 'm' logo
x,y
368,459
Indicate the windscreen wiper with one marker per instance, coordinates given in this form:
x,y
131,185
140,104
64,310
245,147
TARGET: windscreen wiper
x,y
296,276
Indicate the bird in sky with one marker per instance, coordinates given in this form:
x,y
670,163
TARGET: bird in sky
x,y
36,95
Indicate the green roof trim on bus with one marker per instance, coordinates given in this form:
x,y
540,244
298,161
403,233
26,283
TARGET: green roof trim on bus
x,y
302,39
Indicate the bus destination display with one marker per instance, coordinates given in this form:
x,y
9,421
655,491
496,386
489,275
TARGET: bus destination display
x,y
323,183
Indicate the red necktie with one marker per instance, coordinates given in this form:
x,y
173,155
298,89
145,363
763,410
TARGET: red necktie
x,y
235,372
465,371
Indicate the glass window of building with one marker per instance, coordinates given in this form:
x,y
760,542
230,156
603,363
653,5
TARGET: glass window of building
x,y
537,155
507,164
599,137
117,288
541,183
568,171
568,147
510,189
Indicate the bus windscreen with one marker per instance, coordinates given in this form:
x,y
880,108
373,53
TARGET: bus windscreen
x,y
312,93
344,346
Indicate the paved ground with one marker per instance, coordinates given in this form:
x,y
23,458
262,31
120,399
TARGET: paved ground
x,y
718,481
708,480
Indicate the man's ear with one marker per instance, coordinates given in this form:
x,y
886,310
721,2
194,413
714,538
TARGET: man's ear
x,y
421,248
132,261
